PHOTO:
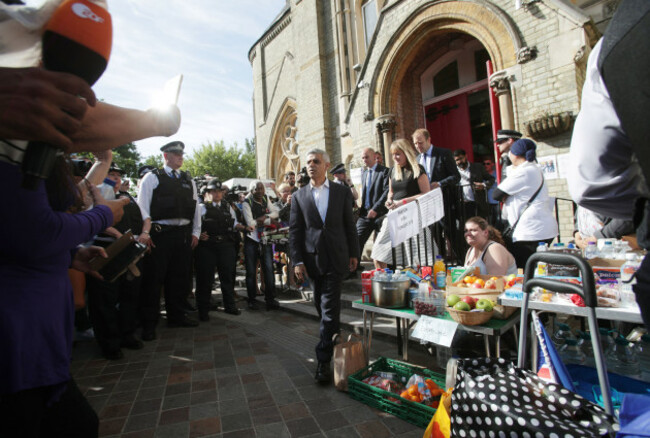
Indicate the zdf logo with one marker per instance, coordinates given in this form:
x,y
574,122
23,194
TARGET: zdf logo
x,y
84,11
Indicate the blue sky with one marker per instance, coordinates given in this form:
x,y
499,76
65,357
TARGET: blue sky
x,y
205,40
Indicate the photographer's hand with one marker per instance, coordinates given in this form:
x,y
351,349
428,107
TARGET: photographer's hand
x,y
40,105
81,261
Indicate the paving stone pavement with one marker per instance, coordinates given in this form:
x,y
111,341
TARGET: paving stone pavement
x,y
235,376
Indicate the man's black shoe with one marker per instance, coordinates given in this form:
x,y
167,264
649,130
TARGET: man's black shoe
x,y
323,373
132,343
233,311
184,321
113,354
272,305
252,305
204,316
148,334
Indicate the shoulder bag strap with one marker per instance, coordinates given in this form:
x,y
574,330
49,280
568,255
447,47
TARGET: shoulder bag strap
x,y
530,201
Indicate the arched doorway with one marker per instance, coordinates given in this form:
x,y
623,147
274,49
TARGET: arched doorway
x,y
435,61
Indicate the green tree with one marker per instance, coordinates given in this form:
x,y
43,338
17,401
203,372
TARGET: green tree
x,y
127,158
217,160
153,160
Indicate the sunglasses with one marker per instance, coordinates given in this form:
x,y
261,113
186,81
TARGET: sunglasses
x,y
487,163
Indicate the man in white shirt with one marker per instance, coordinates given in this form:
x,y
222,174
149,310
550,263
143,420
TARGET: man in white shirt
x,y
172,225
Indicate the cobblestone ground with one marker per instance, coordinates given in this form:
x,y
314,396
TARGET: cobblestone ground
x,y
234,376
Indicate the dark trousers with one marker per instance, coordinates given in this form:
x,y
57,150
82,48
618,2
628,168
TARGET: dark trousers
x,y
642,290
168,265
365,227
327,299
469,210
253,252
113,309
26,414
221,257
523,249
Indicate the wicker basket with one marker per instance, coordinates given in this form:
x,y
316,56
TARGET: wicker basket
x,y
469,318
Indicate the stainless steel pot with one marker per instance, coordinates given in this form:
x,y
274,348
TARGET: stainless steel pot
x,y
390,294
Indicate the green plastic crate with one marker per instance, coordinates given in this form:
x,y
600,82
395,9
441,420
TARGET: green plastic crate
x,y
415,413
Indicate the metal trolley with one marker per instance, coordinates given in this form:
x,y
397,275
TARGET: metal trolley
x,y
588,294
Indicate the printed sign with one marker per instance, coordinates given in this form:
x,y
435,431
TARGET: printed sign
x,y
435,330
432,208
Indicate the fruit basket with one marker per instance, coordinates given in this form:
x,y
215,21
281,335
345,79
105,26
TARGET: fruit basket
x,y
413,412
469,318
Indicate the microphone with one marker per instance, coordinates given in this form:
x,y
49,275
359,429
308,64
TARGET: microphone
x,y
77,40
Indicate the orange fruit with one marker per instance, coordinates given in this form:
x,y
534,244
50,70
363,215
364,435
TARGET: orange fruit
x,y
405,394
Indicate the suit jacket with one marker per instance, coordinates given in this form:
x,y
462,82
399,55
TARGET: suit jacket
x,y
328,246
378,190
442,167
478,173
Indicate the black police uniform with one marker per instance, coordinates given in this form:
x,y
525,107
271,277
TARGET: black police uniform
x,y
170,261
218,252
113,306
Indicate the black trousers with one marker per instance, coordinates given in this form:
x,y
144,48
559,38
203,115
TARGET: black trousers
x,y
327,300
168,265
221,257
26,414
113,309
365,227
523,249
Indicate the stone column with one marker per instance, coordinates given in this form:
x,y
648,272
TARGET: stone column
x,y
386,128
500,83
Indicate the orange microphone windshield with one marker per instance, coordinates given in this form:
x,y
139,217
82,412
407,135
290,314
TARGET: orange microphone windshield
x,y
78,39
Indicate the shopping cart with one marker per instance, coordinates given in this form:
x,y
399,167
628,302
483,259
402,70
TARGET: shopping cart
x,y
588,293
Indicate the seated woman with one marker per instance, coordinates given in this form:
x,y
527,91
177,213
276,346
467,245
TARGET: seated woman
x,y
487,250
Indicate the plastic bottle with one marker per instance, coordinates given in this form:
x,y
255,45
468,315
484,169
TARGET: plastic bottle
x,y
440,273
606,340
628,269
107,189
570,352
608,251
622,358
643,354
542,267
584,342
560,335
591,251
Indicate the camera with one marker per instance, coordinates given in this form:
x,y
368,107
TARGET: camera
x,y
80,167
302,179
233,193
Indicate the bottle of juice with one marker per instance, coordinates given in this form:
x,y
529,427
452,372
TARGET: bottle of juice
x,y
440,273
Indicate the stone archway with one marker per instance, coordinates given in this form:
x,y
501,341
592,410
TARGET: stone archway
x,y
283,154
483,21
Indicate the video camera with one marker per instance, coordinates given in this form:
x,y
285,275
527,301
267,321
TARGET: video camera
x,y
233,193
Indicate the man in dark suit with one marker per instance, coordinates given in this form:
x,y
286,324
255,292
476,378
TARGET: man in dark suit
x,y
438,162
374,189
324,246
474,182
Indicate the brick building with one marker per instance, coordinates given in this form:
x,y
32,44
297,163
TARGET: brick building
x,y
346,74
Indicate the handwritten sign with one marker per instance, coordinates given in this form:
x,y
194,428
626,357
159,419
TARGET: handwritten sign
x,y
432,207
403,223
435,330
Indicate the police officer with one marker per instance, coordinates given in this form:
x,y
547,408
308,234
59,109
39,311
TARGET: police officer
x,y
217,249
112,306
172,224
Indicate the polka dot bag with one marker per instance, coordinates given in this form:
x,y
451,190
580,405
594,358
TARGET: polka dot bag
x,y
493,398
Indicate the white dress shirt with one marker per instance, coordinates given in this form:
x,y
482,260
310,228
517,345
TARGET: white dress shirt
x,y
321,195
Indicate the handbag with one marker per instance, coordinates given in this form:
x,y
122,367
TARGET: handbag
x,y
494,396
440,425
349,357
510,230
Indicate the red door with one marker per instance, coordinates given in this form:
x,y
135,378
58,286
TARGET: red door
x,y
448,123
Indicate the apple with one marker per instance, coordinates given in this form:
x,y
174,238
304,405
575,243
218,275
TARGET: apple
x,y
452,300
490,284
484,304
511,280
477,285
471,302
462,305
